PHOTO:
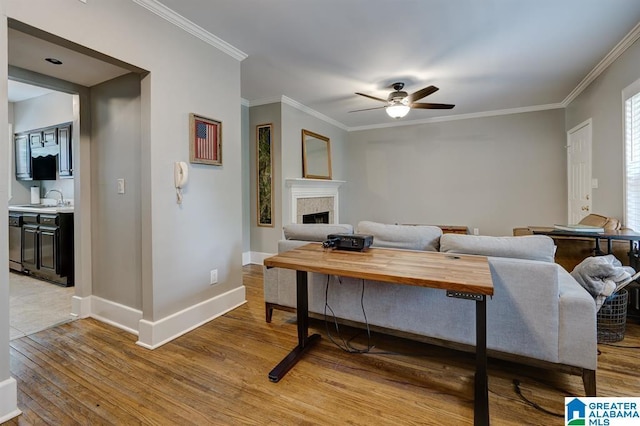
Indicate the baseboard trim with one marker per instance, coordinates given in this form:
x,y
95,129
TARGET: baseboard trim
x,y
81,306
109,312
257,258
9,400
153,334
115,314
246,258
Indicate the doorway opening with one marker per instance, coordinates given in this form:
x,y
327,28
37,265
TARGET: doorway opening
x,y
81,83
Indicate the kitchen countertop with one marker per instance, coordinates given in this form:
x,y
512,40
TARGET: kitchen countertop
x,y
40,208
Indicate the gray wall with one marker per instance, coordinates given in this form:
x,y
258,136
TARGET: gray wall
x,y
246,180
116,221
288,123
8,386
46,110
602,102
293,121
180,243
492,173
263,237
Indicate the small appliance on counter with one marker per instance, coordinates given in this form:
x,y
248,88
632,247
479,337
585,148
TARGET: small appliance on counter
x,y
35,195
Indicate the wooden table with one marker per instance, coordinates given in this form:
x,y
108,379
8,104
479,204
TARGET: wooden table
x,y
462,276
624,235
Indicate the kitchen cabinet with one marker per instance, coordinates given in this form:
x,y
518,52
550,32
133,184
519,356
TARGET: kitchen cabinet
x,y
47,246
65,163
56,138
30,241
49,137
35,140
23,156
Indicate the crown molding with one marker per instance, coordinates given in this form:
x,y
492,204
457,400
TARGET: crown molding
x,y
618,50
178,20
245,102
312,112
297,105
482,114
265,101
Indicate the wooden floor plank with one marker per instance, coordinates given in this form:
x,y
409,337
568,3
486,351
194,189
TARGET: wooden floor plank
x,y
87,372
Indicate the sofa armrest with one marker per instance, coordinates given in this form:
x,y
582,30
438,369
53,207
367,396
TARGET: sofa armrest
x,y
279,284
522,316
578,329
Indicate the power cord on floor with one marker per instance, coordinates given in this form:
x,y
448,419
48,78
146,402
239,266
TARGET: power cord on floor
x,y
346,344
621,346
516,388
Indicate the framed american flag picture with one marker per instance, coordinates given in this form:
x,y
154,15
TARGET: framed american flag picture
x,y
205,141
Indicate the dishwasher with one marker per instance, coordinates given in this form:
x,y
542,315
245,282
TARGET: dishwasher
x,y
15,241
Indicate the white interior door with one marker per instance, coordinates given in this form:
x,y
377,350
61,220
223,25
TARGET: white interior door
x,y
579,171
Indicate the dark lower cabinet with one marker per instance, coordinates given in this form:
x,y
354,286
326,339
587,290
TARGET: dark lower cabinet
x,y
47,249
30,246
49,252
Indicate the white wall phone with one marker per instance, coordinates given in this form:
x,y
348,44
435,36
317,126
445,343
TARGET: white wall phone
x,y
181,177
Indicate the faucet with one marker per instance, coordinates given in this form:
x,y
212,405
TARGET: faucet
x,y
60,201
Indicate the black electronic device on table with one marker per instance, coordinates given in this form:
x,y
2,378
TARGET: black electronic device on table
x,y
352,242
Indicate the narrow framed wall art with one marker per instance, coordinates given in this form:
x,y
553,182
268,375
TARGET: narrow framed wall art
x,y
264,163
205,140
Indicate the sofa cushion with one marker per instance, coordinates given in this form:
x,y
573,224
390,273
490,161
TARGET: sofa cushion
x,y
531,247
314,231
410,237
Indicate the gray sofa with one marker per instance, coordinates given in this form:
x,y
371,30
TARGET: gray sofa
x,y
539,314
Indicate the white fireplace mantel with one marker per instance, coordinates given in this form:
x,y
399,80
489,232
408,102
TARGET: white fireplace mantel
x,y
312,188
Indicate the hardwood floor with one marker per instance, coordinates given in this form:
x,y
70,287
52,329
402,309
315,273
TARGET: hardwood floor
x,y
87,372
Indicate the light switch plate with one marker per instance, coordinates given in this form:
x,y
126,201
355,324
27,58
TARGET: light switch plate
x,y
120,186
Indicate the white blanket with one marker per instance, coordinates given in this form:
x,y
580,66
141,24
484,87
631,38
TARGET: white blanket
x,y
600,275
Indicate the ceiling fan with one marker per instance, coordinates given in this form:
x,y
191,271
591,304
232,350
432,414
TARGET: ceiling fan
x,y
400,102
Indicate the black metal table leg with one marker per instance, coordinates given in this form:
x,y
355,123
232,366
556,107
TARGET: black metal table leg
x,y
304,340
597,250
481,394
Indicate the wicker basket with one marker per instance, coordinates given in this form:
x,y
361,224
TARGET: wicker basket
x,y
612,318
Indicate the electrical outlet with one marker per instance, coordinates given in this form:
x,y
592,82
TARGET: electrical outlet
x,y
476,231
214,276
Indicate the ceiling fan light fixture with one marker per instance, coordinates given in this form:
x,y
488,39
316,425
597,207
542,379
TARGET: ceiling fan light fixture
x,y
398,110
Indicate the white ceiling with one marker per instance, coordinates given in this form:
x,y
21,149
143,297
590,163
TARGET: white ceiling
x,y
484,55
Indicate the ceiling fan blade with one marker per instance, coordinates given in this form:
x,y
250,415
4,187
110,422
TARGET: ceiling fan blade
x,y
431,106
372,97
422,93
368,109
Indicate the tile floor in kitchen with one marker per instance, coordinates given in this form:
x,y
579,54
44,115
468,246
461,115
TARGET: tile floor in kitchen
x,y
36,305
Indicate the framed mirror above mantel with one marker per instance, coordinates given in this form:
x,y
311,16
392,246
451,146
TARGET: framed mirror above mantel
x,y
316,156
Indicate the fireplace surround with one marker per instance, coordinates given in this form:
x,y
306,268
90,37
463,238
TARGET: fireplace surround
x,y
311,196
